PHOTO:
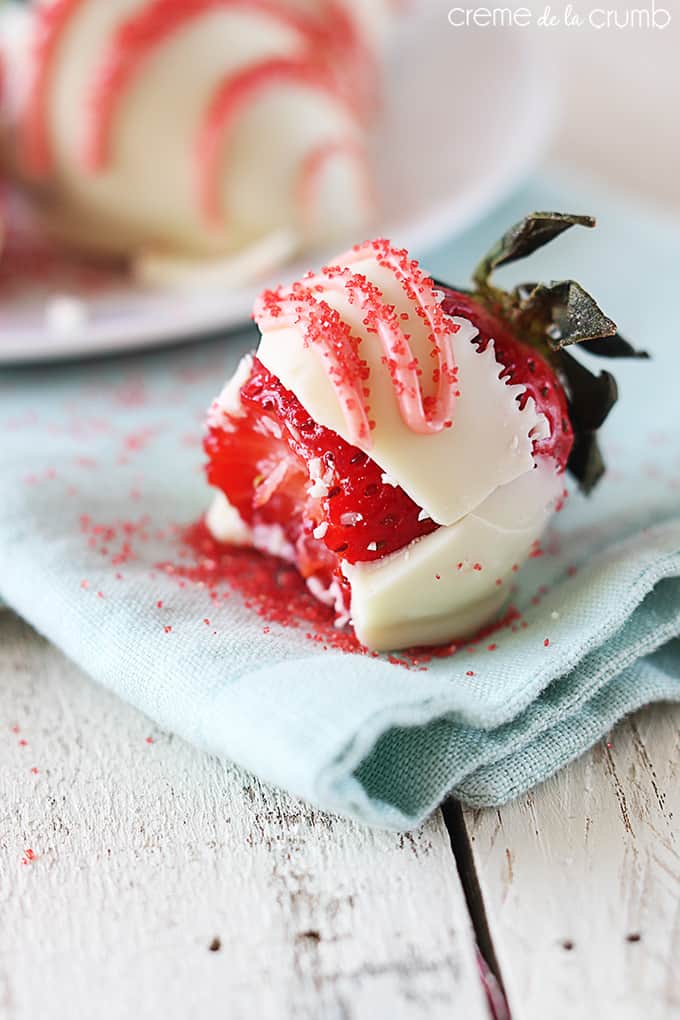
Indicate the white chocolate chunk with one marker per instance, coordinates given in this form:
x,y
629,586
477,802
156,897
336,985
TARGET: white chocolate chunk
x,y
65,315
229,401
225,523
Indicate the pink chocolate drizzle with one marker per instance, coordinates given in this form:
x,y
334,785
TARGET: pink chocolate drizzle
x,y
326,41
232,96
302,305
51,20
139,36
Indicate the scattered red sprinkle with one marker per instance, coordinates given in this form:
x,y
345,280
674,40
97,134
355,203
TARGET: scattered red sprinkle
x,y
499,582
149,740
268,587
16,728
23,743
35,771
470,672
546,643
100,595
206,622
84,585
609,746
477,566
29,856
438,577
491,648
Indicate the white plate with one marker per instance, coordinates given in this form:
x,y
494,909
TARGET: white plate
x,y
466,115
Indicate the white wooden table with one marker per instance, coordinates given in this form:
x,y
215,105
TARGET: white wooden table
x,y
140,878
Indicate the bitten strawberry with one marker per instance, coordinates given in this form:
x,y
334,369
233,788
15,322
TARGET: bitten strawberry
x,y
376,392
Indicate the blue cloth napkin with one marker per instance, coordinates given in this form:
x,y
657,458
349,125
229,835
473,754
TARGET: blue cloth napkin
x,y
101,462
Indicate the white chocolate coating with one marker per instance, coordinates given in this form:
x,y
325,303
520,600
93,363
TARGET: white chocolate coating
x,y
447,473
421,595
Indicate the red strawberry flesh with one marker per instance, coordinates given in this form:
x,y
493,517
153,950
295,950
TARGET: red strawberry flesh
x,y
264,463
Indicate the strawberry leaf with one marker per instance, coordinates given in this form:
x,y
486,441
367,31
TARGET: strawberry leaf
x,y
526,237
586,463
591,397
568,312
613,347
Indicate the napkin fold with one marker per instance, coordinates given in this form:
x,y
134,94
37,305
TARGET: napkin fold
x,y
101,468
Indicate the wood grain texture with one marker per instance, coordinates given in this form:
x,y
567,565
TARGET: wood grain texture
x,y
581,881
166,883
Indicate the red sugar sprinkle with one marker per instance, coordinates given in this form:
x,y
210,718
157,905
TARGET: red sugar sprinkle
x,y
267,586
29,856
23,743
491,648
84,585
470,672
438,577
149,740
546,643
499,582
15,728
477,566
206,622
100,595
35,771
271,588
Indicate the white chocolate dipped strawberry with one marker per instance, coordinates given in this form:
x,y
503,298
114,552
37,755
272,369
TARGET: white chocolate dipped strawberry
x,y
404,443
194,129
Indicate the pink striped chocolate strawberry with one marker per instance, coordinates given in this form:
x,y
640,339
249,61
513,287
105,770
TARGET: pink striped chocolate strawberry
x,y
404,443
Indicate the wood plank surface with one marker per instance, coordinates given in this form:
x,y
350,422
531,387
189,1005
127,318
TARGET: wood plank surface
x,y
581,881
140,878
